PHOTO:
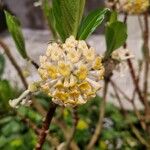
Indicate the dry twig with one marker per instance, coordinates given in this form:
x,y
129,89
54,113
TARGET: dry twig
x,y
45,126
99,125
75,121
14,63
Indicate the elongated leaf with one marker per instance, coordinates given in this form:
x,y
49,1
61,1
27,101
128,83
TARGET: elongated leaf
x,y
48,13
6,92
116,35
15,30
68,14
91,22
2,64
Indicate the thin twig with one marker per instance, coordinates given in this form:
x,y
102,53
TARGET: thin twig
x,y
122,92
139,136
14,63
75,121
99,125
118,98
140,23
57,121
147,55
29,123
134,78
34,127
143,125
134,130
45,126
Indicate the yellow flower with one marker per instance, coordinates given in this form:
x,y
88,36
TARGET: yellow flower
x,y
73,55
73,80
49,48
59,84
122,54
43,73
61,96
94,84
91,94
135,6
101,73
89,54
85,86
98,74
43,60
97,63
74,94
45,87
64,68
55,54
52,71
81,100
82,72
82,46
70,42
70,81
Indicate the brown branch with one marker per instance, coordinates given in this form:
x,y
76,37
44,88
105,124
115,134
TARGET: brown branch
x,y
122,92
99,125
132,71
143,125
29,123
134,78
66,131
57,121
140,23
134,130
118,97
14,63
147,55
34,127
75,121
45,126
135,82
139,136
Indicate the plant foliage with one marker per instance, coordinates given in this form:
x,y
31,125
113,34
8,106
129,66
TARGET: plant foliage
x,y
91,22
15,30
116,35
68,15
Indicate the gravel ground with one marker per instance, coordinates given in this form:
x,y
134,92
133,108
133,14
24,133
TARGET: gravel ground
x,y
36,43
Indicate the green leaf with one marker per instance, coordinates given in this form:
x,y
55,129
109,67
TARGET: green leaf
x,y
67,14
15,30
116,35
91,22
48,13
2,64
6,93
113,17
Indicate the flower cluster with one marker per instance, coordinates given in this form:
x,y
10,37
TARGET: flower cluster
x,y
70,72
122,55
129,6
135,6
